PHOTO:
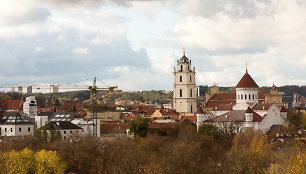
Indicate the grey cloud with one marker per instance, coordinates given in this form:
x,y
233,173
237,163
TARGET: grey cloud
x,y
234,8
58,59
35,15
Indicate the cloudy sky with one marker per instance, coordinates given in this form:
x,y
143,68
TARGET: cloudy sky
x,y
135,43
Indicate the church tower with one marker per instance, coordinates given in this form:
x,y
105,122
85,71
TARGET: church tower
x,y
184,92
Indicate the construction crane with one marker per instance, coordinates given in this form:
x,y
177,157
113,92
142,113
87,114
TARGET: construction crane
x,y
55,88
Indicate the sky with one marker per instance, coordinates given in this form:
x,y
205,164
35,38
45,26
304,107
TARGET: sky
x,y
135,43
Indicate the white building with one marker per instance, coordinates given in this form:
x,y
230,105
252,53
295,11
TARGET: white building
x,y
66,129
247,112
184,92
88,127
15,125
30,107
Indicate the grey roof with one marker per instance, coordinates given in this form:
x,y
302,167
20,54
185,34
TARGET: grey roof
x,y
60,116
275,128
15,118
61,125
235,116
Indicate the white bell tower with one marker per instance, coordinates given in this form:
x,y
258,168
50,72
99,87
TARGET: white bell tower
x,y
184,92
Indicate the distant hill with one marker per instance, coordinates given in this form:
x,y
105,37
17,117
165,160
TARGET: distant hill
x,y
153,96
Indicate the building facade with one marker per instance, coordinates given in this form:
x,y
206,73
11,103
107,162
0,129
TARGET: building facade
x,y
184,92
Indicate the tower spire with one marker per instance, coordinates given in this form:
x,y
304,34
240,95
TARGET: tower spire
x,y
246,67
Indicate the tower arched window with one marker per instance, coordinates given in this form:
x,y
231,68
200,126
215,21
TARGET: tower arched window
x,y
190,92
181,92
181,78
253,97
190,79
249,96
241,97
188,67
245,97
190,108
181,67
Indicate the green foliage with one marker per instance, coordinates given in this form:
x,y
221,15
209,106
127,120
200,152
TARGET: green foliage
x,y
43,136
210,130
303,121
140,126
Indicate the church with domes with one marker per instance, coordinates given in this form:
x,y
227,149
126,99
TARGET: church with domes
x,y
246,108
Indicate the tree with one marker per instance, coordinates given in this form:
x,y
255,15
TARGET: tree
x,y
140,126
210,130
298,163
49,162
303,121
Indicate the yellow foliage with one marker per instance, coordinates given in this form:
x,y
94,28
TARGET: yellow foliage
x,y
49,162
298,163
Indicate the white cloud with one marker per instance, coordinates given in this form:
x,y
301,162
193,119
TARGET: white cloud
x,y
82,51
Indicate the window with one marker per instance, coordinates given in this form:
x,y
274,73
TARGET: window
x,y
64,132
71,132
64,137
190,92
77,132
238,96
181,92
5,129
11,129
190,108
29,129
241,97
181,78
190,79
181,67
20,129
245,97
253,96
188,67
249,96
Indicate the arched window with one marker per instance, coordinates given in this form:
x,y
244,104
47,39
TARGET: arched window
x,y
181,67
253,97
190,92
188,67
181,78
181,92
245,97
190,78
241,97
249,96
190,108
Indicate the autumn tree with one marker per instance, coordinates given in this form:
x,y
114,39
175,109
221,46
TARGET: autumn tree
x,y
140,126
210,130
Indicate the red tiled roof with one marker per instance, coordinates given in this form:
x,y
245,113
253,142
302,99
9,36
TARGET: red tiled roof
x,y
130,118
113,128
14,104
169,112
247,82
224,107
249,110
228,98
283,109
190,118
